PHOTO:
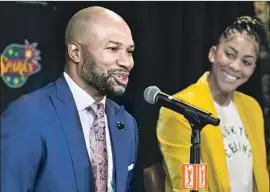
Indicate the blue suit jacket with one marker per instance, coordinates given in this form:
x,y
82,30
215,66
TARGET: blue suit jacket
x,y
43,147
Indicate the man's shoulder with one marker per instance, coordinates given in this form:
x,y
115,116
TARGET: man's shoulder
x,y
33,100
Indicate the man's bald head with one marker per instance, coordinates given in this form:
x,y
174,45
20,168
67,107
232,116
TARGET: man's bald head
x,y
81,26
99,51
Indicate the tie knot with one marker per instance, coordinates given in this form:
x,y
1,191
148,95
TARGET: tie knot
x,y
97,108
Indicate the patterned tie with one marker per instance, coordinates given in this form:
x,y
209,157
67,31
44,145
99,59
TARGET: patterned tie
x,y
98,148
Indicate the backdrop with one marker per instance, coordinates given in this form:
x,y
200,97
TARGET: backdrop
x,y
172,42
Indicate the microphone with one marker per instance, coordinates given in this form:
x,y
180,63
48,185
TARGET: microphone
x,y
153,95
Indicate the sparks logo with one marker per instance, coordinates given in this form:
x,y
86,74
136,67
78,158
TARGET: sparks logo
x,y
194,176
18,62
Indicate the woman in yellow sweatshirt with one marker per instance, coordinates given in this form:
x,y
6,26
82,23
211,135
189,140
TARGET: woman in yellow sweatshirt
x,y
235,150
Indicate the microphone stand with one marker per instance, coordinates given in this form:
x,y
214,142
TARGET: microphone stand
x,y
197,125
197,119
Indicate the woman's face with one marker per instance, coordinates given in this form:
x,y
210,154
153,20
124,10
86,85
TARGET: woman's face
x,y
233,61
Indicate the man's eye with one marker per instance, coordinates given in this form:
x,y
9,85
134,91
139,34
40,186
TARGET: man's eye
x,y
130,52
114,49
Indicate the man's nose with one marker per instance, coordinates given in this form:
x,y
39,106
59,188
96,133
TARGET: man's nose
x,y
125,60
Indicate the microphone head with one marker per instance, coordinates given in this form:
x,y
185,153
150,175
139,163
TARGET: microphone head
x,y
150,94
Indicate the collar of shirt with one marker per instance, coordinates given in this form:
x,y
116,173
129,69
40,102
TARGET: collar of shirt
x,y
81,97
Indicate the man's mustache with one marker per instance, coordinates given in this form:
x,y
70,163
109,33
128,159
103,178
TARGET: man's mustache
x,y
125,70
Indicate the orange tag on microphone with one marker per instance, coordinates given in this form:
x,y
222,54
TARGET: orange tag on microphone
x,y
194,176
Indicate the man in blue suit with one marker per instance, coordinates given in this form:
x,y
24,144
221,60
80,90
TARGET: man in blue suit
x,y
54,139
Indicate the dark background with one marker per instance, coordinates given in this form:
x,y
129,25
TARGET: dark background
x,y
172,41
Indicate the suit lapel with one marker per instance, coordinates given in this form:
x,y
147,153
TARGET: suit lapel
x,y
119,143
69,118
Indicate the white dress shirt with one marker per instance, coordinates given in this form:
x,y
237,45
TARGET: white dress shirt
x,y
84,100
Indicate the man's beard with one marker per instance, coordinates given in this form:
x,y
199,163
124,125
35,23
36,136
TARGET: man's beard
x,y
98,78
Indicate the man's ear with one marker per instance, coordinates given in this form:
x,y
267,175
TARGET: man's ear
x,y
74,51
212,54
